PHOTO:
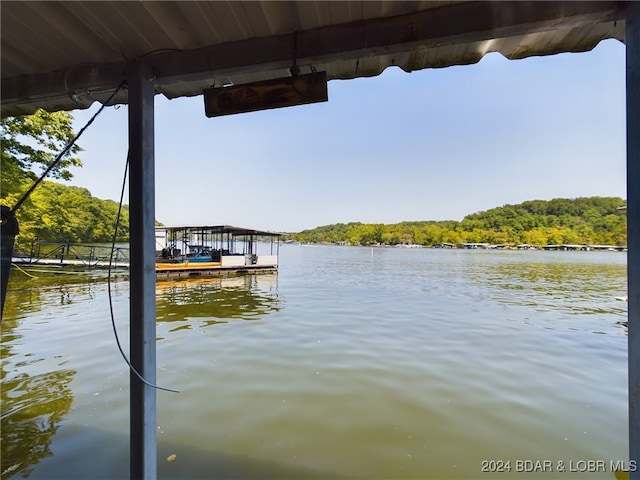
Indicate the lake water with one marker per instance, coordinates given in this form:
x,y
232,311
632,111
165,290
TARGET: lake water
x,y
349,363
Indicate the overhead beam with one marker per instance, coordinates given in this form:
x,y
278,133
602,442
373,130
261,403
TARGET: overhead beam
x,y
460,23
450,25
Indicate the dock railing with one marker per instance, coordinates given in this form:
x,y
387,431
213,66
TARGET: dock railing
x,y
73,254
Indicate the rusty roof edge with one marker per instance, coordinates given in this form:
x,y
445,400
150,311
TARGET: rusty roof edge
x,y
469,22
428,28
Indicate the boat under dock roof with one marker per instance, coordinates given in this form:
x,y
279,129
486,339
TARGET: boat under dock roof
x,y
214,250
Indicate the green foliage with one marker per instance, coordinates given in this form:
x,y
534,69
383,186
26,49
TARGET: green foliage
x,y
60,213
32,142
584,221
54,212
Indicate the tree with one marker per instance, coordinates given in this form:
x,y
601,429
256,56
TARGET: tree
x,y
535,237
61,213
54,211
32,142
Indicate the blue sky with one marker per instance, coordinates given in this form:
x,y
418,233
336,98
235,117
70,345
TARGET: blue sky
x,y
434,144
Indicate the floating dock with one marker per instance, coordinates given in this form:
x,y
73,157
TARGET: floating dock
x,y
214,250
182,251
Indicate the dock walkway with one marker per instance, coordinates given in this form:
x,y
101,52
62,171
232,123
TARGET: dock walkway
x,y
180,252
77,255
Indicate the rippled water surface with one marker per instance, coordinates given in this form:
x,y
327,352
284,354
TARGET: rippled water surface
x,y
349,363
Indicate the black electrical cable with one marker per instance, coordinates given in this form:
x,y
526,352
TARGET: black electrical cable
x,y
115,233
55,162
9,222
113,322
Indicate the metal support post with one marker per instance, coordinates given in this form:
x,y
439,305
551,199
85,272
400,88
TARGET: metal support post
x,y
8,231
633,228
142,275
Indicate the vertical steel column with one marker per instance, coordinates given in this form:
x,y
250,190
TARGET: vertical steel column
x,y
633,226
142,275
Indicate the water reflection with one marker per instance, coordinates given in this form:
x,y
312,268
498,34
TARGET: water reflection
x,y
400,366
35,402
566,287
50,287
32,408
218,299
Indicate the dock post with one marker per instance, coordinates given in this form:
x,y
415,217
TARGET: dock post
x,y
632,42
142,308
8,230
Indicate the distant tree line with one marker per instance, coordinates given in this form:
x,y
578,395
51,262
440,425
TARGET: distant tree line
x,y
583,221
60,213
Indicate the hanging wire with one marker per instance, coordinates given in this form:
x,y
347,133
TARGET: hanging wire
x,y
55,162
113,322
75,139
49,270
23,271
115,233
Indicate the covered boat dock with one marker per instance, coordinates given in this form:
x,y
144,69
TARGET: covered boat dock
x,y
214,250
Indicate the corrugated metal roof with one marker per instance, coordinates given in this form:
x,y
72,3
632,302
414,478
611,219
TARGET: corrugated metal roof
x,y
66,55
216,229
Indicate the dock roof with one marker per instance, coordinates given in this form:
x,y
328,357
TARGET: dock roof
x,y
65,55
217,229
